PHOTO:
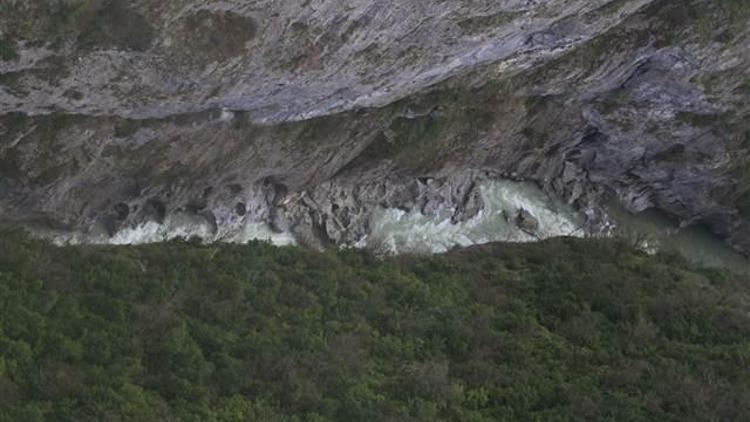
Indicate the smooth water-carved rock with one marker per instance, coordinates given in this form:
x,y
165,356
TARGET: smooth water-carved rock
x,y
526,221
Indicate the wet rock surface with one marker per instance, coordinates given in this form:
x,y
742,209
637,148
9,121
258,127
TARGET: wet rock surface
x,y
526,221
312,115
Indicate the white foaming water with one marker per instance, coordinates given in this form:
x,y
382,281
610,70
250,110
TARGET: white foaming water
x,y
260,231
153,232
395,231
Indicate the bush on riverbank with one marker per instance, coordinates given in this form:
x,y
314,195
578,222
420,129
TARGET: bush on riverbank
x,y
561,330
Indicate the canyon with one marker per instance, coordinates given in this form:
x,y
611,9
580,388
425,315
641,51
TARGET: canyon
x,y
325,123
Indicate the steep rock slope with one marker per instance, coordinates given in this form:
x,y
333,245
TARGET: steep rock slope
x,y
309,115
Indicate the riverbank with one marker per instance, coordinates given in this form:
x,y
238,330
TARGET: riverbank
x,y
565,329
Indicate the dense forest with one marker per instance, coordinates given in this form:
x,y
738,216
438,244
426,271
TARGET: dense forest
x,y
560,330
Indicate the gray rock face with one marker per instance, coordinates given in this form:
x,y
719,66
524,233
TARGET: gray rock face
x,y
113,113
285,61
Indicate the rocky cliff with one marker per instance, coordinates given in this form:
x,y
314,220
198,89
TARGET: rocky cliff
x,y
308,115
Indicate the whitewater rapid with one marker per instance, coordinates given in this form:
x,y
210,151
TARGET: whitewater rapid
x,y
395,231
392,231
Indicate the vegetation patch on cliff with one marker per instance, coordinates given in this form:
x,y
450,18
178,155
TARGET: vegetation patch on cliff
x,y
88,23
215,36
